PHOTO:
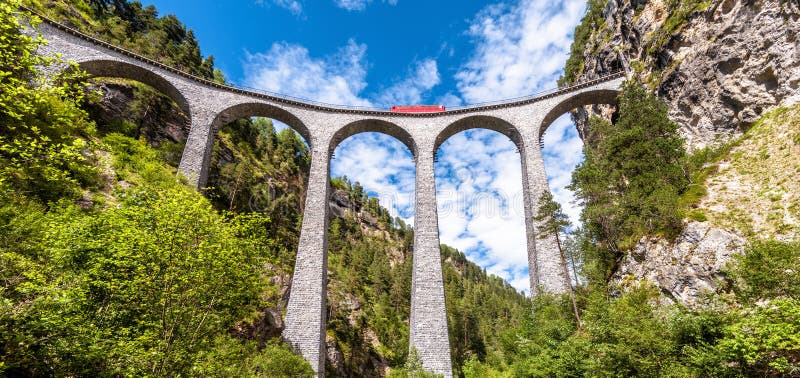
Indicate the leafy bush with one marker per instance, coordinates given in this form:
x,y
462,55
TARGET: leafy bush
x,y
43,131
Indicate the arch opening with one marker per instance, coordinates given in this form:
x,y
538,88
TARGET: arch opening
x,y
257,109
479,122
592,97
123,70
480,199
260,162
562,148
370,243
374,126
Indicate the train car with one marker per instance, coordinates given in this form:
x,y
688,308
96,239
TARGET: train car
x,y
418,109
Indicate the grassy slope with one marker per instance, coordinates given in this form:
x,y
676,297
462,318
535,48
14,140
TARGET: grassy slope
x,y
755,190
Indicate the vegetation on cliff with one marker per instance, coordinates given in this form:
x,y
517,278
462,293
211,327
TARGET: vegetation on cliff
x,y
633,168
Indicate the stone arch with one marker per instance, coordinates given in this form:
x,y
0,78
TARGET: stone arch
x,y
479,122
377,126
124,70
260,109
590,97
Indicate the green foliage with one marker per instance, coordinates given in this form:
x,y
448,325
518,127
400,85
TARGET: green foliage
x,y
768,269
232,357
631,180
146,287
762,337
369,291
130,25
550,216
633,334
412,369
479,308
591,22
43,145
256,169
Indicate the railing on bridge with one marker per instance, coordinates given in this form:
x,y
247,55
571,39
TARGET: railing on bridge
x,y
304,102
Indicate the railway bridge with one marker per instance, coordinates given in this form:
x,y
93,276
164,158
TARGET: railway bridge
x,y
210,105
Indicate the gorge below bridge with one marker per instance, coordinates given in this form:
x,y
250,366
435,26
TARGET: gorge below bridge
x,y
210,105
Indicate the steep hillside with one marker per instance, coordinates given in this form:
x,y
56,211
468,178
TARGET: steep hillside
x,y
751,192
721,67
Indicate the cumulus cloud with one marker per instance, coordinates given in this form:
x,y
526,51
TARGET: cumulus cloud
x,y
293,6
289,69
411,90
358,5
520,48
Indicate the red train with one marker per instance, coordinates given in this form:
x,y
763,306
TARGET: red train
x,y
418,109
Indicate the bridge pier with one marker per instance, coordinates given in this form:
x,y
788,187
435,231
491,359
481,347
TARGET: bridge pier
x,y
544,260
196,157
305,312
429,336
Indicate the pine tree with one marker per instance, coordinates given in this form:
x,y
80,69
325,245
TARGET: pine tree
x,y
553,221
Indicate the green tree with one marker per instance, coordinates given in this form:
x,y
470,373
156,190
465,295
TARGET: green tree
x,y
631,179
43,131
553,221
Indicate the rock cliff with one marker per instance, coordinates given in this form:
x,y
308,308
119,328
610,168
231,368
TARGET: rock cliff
x,y
718,64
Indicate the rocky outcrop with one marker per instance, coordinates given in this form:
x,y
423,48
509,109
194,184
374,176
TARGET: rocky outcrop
x,y
719,66
686,270
132,108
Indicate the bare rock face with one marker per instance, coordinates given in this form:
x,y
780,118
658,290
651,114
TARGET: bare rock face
x,y
730,63
685,271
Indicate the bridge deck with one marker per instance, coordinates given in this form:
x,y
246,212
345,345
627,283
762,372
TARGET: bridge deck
x,y
316,105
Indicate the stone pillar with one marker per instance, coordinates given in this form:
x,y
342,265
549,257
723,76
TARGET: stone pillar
x,y
428,313
305,312
544,260
196,156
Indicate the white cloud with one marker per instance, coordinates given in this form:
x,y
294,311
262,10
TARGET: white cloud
x,y
358,5
520,50
293,6
289,69
411,90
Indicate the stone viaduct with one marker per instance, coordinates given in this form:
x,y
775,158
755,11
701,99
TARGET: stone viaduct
x,y
210,105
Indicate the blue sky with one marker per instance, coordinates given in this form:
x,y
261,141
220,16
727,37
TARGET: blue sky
x,y
384,52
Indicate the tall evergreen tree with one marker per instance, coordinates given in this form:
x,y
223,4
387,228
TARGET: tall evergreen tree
x,y
553,221
631,179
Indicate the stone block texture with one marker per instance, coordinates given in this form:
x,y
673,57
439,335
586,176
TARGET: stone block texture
x,y
210,105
